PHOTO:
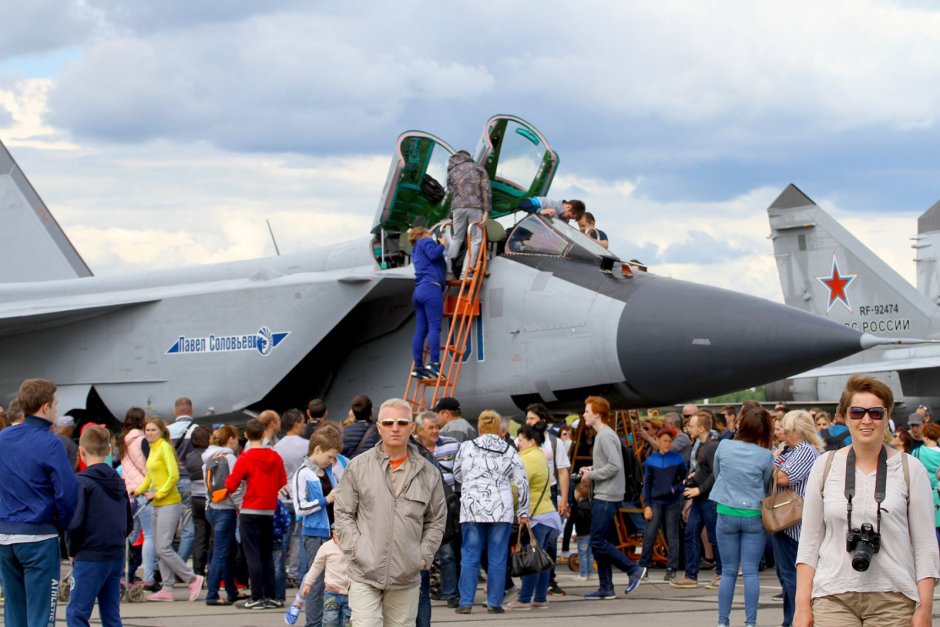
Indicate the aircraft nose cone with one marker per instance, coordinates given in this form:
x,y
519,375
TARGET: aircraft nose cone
x,y
705,341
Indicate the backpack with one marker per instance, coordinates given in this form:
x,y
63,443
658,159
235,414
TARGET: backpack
x,y
835,442
282,521
216,473
632,474
452,522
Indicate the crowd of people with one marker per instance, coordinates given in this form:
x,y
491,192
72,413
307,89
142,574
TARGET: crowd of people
x,y
373,517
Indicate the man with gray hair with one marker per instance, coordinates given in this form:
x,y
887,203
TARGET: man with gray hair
x,y
64,428
390,515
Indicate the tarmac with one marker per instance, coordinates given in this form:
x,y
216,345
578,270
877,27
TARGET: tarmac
x,y
654,601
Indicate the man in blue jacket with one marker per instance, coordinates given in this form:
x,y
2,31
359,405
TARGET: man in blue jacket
x,y
38,495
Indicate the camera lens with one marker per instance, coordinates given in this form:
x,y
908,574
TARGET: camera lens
x,y
861,557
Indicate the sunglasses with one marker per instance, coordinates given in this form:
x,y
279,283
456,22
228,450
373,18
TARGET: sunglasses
x,y
401,422
876,413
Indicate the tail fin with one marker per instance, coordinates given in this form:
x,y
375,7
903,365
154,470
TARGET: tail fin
x,y
33,246
825,270
927,245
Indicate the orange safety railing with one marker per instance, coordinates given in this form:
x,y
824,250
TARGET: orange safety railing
x,y
461,308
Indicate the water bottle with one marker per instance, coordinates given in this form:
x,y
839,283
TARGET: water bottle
x,y
290,617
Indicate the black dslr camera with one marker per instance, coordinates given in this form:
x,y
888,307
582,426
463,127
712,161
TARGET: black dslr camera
x,y
862,544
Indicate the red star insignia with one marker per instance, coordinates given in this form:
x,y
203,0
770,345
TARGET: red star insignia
x,y
837,283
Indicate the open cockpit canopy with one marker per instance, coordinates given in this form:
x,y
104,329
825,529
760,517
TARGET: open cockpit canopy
x,y
539,235
517,157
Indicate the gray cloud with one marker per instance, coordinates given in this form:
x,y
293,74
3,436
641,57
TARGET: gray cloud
x,y
39,26
701,248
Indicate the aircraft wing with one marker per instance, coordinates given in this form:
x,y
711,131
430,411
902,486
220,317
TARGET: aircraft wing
x,y
912,361
25,313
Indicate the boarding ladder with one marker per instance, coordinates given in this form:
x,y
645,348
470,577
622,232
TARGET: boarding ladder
x,y
461,308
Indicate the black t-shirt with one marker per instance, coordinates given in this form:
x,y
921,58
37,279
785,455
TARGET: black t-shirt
x,y
327,488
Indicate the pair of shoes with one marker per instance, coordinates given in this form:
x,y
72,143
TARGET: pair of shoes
x,y
684,582
219,602
601,595
420,373
495,610
555,589
162,595
152,586
195,586
273,604
453,603
707,564
670,575
635,580
583,577
433,370
714,583
519,606
251,604
536,605
463,609
777,597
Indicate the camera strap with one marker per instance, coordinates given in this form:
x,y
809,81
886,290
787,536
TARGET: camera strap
x,y
881,483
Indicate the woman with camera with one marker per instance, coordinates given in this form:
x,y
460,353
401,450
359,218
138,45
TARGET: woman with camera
x,y
868,550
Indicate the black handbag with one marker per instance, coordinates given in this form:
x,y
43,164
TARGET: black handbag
x,y
530,559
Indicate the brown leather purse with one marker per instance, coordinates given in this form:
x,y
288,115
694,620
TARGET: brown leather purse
x,y
780,510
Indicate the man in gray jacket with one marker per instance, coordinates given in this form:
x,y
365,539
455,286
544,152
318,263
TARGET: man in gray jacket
x,y
390,516
607,475
470,202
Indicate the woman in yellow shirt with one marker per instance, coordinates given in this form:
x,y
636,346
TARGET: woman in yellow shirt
x,y
544,519
159,486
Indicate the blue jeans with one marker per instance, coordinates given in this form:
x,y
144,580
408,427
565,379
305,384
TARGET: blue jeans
x,y
702,514
313,602
545,536
336,611
741,542
144,522
429,308
606,553
30,572
664,515
785,561
585,556
496,538
101,580
448,562
280,557
424,601
187,527
222,563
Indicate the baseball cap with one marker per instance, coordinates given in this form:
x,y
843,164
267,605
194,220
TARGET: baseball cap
x,y
448,403
915,419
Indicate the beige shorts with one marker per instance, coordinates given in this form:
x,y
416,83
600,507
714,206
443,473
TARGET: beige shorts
x,y
872,609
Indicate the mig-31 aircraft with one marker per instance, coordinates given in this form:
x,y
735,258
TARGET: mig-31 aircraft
x,y
560,316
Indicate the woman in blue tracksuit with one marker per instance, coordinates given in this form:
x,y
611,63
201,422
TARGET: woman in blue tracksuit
x,y
427,256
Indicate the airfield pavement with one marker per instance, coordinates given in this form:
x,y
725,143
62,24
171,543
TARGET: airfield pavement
x,y
654,601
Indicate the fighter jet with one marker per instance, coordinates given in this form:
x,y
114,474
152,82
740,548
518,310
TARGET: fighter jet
x,y
826,271
561,316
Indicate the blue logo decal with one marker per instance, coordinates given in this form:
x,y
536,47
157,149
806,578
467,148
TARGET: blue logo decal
x,y
264,341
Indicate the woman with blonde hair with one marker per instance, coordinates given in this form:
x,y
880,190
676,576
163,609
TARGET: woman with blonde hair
x,y
159,486
486,468
801,447
427,257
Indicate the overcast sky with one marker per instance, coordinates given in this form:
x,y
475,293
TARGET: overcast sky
x,y
165,133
